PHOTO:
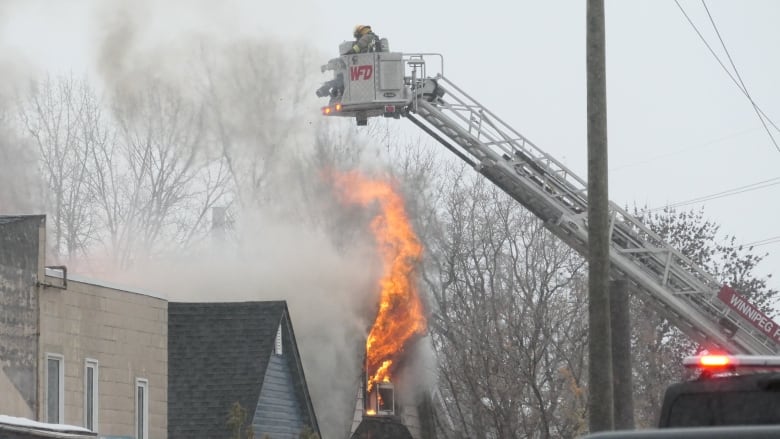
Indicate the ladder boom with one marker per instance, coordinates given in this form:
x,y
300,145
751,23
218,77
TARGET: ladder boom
x,y
375,84
682,291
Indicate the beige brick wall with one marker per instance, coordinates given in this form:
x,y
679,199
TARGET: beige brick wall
x,y
127,333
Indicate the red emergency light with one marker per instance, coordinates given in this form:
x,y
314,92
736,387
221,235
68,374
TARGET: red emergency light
x,y
710,361
714,360
717,361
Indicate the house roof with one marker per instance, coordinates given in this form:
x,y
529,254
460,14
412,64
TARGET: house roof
x,y
217,355
381,427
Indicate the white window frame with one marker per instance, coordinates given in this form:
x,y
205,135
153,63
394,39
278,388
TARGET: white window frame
x,y
144,433
278,348
61,391
91,363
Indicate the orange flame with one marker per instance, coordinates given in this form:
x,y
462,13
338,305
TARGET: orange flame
x,y
400,316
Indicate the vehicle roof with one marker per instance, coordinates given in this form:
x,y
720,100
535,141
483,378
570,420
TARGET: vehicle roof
x,y
723,400
728,432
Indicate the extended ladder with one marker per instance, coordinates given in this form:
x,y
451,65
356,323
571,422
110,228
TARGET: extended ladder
x,y
682,291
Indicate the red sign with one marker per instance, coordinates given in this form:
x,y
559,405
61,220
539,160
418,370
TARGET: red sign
x,y
356,72
740,304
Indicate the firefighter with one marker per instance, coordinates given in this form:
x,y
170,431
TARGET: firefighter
x,y
365,40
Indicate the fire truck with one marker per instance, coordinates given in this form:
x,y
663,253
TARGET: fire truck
x,y
414,87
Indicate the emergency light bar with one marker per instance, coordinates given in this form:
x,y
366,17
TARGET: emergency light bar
x,y
732,361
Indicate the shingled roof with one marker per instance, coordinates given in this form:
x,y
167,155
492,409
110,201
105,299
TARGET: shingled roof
x,y
218,354
381,427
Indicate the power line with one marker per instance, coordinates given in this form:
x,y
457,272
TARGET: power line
x,y
681,150
738,190
733,66
762,115
704,40
765,241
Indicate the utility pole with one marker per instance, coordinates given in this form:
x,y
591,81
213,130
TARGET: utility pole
x,y
621,354
599,344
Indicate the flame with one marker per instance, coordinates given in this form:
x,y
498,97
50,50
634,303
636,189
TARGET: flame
x,y
400,317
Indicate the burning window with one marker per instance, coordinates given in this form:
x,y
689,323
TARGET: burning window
x,y
385,399
381,400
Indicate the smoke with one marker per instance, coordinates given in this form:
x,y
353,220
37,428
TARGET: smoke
x,y
119,29
253,83
290,240
418,374
327,290
20,182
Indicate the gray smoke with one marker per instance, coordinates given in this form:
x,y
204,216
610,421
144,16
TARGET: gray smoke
x,y
289,239
327,290
117,30
20,182
19,178
290,242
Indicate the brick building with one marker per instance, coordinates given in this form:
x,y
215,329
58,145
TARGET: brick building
x,y
76,351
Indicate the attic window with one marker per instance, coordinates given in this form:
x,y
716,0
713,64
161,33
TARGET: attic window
x,y
278,344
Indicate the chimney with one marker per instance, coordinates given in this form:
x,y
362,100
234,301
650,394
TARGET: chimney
x,y
218,223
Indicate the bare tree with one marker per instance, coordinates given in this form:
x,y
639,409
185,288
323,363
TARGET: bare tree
x,y
156,182
56,117
255,94
508,327
659,347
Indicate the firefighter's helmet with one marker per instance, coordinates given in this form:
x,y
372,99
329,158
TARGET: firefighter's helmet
x,y
359,30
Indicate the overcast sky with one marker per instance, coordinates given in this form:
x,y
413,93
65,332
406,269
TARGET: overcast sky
x,y
678,127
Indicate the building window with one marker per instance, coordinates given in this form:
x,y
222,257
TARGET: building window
x,y
91,394
278,344
54,411
141,408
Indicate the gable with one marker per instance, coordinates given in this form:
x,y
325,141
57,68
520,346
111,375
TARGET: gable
x,y
222,353
278,411
217,355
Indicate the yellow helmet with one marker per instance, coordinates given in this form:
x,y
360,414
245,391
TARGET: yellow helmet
x,y
359,30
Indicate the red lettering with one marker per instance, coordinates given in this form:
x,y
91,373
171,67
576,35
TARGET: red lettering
x,y
361,72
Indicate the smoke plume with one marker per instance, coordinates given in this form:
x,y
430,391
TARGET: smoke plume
x,y
249,90
20,180
289,241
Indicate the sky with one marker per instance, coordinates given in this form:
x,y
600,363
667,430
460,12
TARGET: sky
x,y
678,126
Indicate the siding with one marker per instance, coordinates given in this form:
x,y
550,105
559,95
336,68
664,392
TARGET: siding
x,y
278,411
